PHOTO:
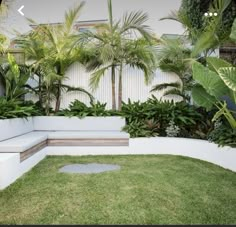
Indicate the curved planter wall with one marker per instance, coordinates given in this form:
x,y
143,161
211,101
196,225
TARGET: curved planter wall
x,y
199,149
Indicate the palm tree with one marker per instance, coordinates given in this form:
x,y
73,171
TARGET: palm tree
x,y
174,56
52,48
108,44
174,88
139,54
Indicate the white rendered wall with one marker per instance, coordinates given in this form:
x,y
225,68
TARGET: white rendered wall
x,y
15,127
199,149
11,168
76,124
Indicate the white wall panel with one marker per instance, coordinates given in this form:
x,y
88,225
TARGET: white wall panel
x,y
133,85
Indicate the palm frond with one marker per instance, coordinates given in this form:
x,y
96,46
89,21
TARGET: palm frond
x,y
96,77
71,17
174,85
79,89
135,21
174,91
172,16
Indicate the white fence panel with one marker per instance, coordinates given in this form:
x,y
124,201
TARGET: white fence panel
x,y
134,86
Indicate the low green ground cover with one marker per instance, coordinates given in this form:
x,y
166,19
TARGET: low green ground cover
x,y
149,189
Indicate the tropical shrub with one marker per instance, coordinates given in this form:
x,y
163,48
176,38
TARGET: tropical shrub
x,y
153,117
81,110
14,78
16,108
194,14
223,135
214,82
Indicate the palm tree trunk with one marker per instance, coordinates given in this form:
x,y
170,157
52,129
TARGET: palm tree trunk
x,y
113,82
48,98
58,97
40,92
120,88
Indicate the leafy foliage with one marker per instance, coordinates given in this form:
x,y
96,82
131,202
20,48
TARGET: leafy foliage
x,y
194,11
115,45
174,56
150,118
214,85
14,78
153,117
205,33
223,136
15,109
81,110
53,49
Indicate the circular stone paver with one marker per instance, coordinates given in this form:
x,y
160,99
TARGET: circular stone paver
x,y
88,168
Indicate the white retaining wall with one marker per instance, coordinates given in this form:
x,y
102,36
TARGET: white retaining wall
x,y
15,127
199,149
11,168
76,124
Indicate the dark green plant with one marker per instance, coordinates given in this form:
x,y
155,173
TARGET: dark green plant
x,y
142,128
17,109
193,122
14,78
223,135
195,9
205,33
81,110
150,118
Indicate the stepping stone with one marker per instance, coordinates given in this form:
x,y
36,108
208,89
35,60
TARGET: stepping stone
x,y
88,168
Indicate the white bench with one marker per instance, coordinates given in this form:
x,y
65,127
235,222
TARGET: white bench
x,y
22,141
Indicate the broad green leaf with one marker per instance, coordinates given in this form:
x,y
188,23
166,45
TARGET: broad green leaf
x,y
215,64
209,80
202,98
233,31
228,75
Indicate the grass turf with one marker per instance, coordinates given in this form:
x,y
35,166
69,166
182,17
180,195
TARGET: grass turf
x,y
148,189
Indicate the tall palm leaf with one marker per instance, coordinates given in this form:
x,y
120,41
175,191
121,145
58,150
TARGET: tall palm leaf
x,y
109,43
53,50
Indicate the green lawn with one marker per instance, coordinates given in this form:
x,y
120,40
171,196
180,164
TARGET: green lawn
x,y
148,189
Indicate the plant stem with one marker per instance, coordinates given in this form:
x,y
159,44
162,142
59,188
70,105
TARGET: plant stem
x,y
113,82
120,87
